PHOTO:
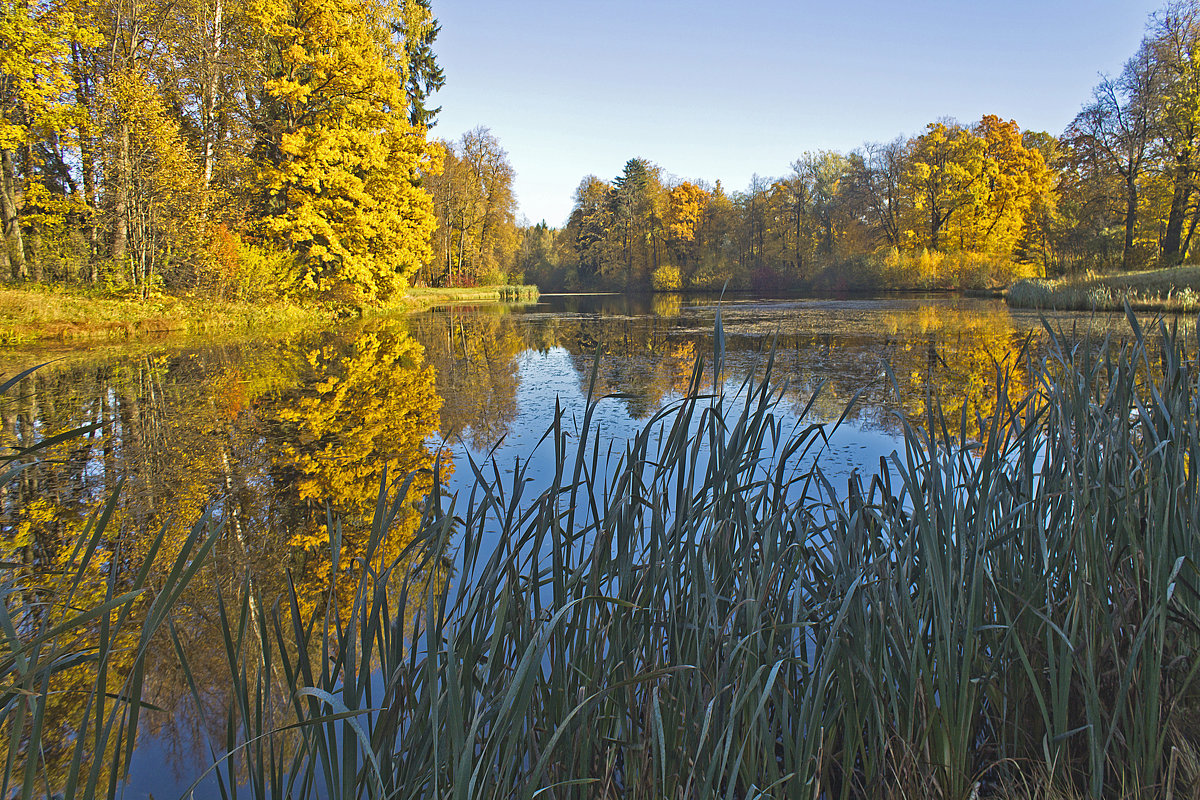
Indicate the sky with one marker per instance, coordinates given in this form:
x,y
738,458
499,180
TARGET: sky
x,y
721,90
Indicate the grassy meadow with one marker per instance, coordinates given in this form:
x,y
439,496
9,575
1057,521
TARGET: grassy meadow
x,y
1008,608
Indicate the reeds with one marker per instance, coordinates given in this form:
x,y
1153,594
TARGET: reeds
x,y
61,619
518,294
1008,608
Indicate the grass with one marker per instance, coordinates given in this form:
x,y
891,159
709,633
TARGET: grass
x,y
1176,289
1009,608
421,297
31,313
38,313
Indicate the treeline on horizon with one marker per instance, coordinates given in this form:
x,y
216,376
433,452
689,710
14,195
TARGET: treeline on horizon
x,y
275,150
957,206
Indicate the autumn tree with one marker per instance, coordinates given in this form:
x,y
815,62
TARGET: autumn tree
x,y
154,174
823,175
1114,135
876,187
945,176
1175,45
589,225
476,210
340,161
541,255
36,42
684,210
636,219
1013,179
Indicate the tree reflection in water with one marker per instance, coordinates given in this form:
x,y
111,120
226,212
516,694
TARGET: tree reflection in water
x,y
278,438
273,438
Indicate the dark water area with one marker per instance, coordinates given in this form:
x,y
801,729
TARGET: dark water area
x,y
276,438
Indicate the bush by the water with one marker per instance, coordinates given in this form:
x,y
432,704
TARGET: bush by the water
x,y
1009,608
925,269
666,279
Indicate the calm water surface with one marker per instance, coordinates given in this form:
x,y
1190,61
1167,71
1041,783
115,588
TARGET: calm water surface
x,y
267,435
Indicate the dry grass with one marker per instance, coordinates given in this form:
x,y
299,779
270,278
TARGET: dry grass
x,y
419,297
1176,289
35,313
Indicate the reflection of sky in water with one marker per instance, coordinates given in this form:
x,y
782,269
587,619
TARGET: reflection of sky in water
x,y
550,380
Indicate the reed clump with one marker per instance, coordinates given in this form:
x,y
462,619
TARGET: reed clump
x,y
523,293
1008,608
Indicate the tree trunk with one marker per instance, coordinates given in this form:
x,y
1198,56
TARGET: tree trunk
x,y
1130,221
212,76
934,224
120,240
12,225
1179,201
87,158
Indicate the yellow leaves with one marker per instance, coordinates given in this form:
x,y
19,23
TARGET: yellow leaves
x,y
685,208
344,189
35,49
370,406
973,189
49,212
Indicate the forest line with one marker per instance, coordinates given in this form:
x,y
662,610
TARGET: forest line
x,y
273,150
956,206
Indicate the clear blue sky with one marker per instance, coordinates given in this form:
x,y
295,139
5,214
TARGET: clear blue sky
x,y
721,90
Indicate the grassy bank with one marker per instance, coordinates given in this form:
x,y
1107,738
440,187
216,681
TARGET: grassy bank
x,y
1173,290
32,313
416,298
691,615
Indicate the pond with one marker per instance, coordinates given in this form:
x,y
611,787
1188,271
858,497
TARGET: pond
x,y
276,438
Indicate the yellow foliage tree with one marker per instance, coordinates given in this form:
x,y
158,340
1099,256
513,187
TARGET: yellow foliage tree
x,y
35,86
157,179
341,163
1014,179
945,177
685,209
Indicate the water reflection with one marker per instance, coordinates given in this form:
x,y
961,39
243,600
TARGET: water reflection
x,y
273,438
277,438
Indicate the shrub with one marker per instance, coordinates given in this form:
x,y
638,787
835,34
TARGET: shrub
x,y
666,279
1030,293
713,276
241,271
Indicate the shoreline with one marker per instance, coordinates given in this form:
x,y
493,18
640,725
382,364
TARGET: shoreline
x,y
1173,290
34,314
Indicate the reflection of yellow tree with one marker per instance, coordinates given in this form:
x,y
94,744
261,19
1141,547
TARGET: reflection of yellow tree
x,y
228,429
667,304
53,585
956,358
369,409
